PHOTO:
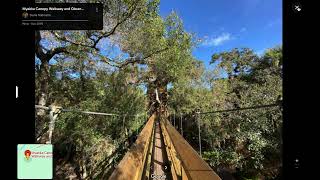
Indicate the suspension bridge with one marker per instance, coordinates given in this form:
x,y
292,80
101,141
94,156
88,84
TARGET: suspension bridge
x,y
160,151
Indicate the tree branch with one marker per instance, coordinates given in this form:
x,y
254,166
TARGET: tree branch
x,y
64,38
113,30
50,53
55,51
103,35
141,60
39,52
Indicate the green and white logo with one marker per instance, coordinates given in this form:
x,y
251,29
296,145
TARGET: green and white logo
x,y
35,161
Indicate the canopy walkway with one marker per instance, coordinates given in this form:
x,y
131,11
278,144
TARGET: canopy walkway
x,y
160,152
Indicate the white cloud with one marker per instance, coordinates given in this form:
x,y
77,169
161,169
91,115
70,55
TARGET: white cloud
x,y
216,41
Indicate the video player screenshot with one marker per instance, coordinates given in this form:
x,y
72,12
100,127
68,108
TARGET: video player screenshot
x,y
157,89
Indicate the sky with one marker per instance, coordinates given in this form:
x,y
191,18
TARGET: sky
x,y
226,24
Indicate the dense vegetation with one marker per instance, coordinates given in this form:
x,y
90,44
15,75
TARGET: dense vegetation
x,y
121,68
244,142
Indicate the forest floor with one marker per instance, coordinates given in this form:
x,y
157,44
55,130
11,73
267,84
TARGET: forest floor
x,y
65,171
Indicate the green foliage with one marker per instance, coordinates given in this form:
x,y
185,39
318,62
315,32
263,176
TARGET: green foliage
x,y
80,79
86,78
93,135
250,140
236,61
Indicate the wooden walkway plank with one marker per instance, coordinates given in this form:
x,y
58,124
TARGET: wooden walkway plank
x,y
132,165
193,165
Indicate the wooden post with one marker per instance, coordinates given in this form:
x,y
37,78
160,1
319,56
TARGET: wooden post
x,y
181,130
199,131
174,120
53,114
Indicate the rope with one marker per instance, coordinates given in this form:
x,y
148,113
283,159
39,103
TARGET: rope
x,y
241,109
86,112
42,107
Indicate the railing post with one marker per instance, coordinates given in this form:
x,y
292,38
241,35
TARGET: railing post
x,y
181,130
199,131
174,119
53,114
123,125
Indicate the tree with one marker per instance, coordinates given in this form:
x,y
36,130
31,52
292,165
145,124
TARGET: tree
x,y
142,62
246,142
105,71
81,45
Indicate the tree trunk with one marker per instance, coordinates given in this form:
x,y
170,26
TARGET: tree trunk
x,y
82,79
44,86
42,100
44,76
158,95
53,116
